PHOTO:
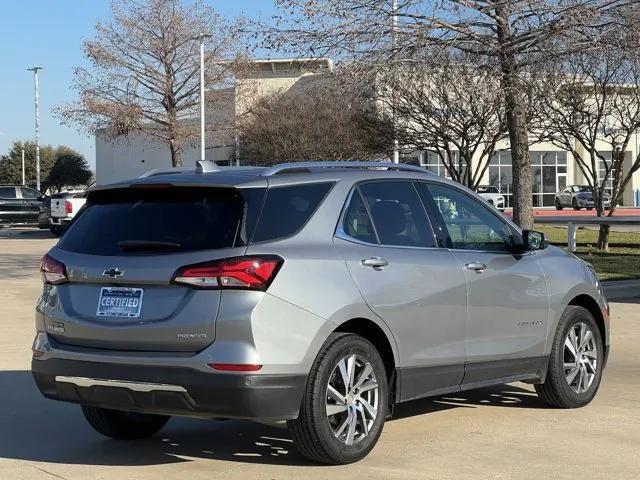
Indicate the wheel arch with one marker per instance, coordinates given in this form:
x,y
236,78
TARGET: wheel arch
x,y
591,305
371,331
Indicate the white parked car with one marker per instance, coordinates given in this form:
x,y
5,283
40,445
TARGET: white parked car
x,y
64,208
492,195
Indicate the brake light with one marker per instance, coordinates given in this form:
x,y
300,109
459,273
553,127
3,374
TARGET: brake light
x,y
247,273
53,271
68,206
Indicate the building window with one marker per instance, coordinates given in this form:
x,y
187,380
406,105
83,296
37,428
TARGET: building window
x,y
602,172
432,162
500,175
548,170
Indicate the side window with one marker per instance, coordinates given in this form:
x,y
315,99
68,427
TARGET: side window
x,y
29,193
8,192
287,209
356,222
397,213
471,225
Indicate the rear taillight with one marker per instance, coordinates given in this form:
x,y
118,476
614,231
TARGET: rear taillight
x,y
249,273
53,271
68,206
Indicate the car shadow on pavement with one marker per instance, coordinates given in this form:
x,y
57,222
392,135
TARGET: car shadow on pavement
x,y
496,396
19,265
36,429
25,233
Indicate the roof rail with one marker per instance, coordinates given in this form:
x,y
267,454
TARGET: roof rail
x,y
294,167
165,171
202,166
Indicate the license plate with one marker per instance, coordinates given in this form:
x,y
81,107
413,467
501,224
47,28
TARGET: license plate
x,y
120,302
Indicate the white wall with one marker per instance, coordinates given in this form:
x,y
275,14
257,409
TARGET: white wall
x,y
131,156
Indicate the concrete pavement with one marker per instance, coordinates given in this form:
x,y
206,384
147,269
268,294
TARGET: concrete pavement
x,y
498,433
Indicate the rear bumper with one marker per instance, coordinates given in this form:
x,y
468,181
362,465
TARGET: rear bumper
x,y
59,221
170,390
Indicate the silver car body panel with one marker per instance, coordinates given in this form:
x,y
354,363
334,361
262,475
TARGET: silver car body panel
x,y
446,326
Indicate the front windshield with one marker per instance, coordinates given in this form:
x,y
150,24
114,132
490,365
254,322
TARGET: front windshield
x,y
583,188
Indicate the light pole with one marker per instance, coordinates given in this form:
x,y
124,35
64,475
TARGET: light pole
x,y
394,27
35,70
23,179
202,39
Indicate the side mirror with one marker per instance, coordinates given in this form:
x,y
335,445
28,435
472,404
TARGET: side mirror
x,y
532,240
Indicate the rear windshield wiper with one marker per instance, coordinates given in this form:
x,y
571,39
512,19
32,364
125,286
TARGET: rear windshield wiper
x,y
146,245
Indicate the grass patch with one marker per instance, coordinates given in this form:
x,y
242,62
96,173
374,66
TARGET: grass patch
x,y
587,236
622,262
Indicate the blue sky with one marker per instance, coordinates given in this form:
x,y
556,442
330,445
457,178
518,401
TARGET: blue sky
x,y
50,33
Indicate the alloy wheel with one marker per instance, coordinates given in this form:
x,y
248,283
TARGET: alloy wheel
x,y
352,399
580,357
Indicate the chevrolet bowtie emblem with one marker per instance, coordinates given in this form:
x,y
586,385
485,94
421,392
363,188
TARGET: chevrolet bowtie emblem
x,y
113,273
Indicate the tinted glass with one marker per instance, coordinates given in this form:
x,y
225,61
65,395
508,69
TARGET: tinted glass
x,y
7,192
471,225
356,222
166,220
398,215
29,193
287,209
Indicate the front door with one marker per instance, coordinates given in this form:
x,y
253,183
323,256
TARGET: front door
x,y
507,294
414,286
10,207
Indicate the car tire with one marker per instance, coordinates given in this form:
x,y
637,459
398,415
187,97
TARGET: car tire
x,y
564,387
558,204
350,434
123,425
574,204
56,231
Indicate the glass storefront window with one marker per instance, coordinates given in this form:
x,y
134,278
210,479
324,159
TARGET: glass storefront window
x,y
548,175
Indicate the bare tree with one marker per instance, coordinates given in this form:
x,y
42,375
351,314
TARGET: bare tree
x,y
145,70
510,36
594,113
317,119
456,110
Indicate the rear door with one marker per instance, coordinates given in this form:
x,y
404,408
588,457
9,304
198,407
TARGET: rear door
x,y
30,203
507,293
414,286
10,207
125,248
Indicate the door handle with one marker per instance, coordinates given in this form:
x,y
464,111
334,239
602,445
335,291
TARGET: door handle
x,y
375,262
476,267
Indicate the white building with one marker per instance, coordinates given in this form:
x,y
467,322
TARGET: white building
x,y
135,154
553,169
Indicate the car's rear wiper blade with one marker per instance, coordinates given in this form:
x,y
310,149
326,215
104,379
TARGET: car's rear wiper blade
x,y
146,245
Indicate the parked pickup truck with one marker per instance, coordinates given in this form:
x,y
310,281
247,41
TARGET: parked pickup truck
x,y
63,209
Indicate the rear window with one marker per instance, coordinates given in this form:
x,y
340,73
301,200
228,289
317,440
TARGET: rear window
x,y
163,220
287,209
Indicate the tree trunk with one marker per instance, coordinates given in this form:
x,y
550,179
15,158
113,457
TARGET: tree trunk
x,y
521,168
522,195
603,238
176,155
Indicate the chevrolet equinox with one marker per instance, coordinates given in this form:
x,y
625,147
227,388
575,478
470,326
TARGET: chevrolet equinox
x,y
316,294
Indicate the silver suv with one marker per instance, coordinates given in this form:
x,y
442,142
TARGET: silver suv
x,y
319,294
